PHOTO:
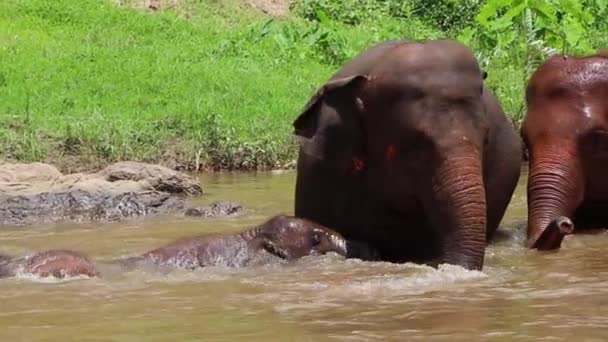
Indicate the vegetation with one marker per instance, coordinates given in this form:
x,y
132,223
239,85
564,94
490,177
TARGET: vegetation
x,y
217,84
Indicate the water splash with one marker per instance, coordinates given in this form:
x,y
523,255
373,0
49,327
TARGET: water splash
x,y
21,274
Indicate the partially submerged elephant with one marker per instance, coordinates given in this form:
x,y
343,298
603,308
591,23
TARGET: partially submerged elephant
x,y
406,149
566,134
279,238
55,263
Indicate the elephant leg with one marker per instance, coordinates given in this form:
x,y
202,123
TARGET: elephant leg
x,y
502,170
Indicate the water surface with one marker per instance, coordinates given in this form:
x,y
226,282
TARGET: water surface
x,y
520,295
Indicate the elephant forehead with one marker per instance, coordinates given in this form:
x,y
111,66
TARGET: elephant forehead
x,y
447,83
289,229
562,77
428,59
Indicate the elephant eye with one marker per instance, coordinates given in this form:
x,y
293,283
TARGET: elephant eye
x,y
315,239
598,141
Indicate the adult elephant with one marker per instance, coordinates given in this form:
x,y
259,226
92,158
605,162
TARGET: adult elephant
x,y
566,134
404,148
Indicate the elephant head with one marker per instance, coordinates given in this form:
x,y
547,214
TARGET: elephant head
x,y
411,119
291,238
566,133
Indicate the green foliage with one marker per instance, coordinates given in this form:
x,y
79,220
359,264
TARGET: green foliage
x,y
521,34
560,24
448,15
352,12
213,84
206,84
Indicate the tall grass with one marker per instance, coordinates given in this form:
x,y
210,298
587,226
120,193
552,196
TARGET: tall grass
x,y
211,84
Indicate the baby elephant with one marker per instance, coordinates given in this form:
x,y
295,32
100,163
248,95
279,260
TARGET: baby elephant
x,y
56,263
280,238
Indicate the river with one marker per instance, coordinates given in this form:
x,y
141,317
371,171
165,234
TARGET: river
x,y
520,295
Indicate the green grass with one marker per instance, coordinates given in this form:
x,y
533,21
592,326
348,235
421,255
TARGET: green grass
x,y
211,84
110,83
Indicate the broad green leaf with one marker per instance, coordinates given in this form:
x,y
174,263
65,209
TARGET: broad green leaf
x,y
574,31
323,18
543,9
500,24
515,11
489,9
571,7
505,39
466,36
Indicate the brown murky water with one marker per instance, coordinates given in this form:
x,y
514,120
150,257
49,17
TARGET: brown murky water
x,y
521,295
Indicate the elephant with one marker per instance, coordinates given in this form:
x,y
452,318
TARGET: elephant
x,y
279,238
405,149
565,131
56,263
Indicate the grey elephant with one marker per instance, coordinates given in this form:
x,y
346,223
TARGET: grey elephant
x,y
279,238
404,148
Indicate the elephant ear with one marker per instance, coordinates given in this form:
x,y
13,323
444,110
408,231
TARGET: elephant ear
x,y
337,95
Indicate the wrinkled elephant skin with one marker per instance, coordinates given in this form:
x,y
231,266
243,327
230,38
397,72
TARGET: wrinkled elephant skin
x,y
53,263
406,149
281,238
566,134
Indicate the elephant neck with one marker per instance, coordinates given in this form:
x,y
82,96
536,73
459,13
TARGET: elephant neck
x,y
5,258
251,233
7,268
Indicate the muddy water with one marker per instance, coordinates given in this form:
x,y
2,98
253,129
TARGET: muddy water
x,y
520,295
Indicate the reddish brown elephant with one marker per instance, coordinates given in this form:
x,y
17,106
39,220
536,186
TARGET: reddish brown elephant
x,y
406,149
52,263
566,135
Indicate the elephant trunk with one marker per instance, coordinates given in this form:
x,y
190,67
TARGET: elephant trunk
x,y
555,190
251,233
458,205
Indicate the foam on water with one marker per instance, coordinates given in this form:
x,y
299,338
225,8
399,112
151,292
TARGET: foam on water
x,y
520,295
23,275
426,280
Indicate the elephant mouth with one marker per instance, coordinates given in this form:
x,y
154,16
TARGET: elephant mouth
x,y
551,238
275,250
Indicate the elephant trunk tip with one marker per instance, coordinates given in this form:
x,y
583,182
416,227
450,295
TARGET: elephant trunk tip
x,y
564,225
551,238
341,245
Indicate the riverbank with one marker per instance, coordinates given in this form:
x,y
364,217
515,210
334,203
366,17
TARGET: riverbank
x,y
197,86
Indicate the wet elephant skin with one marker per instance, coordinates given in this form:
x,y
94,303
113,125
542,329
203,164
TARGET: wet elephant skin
x,y
279,238
566,134
406,149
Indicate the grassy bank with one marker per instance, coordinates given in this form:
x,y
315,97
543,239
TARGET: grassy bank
x,y
204,84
